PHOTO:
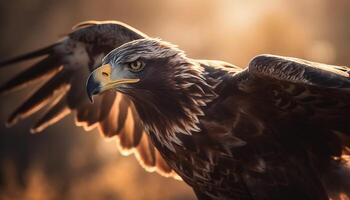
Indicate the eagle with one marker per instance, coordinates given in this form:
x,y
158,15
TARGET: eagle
x,y
277,129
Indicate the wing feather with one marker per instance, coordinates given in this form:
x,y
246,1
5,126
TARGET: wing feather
x,y
123,109
40,98
41,52
108,125
146,153
106,104
317,91
74,57
301,106
37,71
57,112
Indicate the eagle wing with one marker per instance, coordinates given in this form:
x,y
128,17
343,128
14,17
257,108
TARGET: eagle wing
x,y
283,110
64,69
291,87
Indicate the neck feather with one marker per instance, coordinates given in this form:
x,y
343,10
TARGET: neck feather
x,y
177,109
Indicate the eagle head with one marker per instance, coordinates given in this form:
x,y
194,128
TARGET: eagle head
x,y
167,88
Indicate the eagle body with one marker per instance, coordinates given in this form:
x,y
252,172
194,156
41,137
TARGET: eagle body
x,y
276,129
235,155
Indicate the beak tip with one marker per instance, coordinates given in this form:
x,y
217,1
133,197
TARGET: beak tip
x,y
92,88
91,99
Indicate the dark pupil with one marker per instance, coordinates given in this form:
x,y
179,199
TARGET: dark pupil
x,y
135,65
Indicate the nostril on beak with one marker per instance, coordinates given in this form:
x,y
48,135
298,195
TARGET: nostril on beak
x,y
105,74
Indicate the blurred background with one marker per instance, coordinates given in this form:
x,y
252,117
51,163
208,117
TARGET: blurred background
x,y
65,162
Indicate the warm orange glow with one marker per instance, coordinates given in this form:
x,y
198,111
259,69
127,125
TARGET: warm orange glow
x,y
88,166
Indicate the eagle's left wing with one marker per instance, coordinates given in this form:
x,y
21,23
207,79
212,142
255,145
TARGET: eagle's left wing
x,y
287,110
292,87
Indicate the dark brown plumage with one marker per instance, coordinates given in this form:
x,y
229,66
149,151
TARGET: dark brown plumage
x,y
70,61
277,129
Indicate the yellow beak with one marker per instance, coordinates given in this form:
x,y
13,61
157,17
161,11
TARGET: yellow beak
x,y
100,80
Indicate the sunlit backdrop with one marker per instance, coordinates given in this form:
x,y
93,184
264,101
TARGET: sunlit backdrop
x,y
65,162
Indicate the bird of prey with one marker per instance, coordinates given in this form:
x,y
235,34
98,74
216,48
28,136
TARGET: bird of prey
x,y
277,129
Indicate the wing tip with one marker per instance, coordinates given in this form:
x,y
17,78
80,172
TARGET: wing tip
x,y
4,89
105,131
85,125
39,127
148,165
153,167
11,121
36,130
26,56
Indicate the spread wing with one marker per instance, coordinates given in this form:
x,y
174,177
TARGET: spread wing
x,y
295,103
64,69
315,92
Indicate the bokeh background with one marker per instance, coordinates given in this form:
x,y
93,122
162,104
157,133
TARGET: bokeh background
x,y
65,162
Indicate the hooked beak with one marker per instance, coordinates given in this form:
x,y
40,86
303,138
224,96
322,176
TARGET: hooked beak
x,y
100,80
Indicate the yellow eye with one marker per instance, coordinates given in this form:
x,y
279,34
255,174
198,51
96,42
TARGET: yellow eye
x,y
136,66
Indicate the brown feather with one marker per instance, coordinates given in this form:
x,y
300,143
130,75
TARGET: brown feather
x,y
27,56
126,135
108,125
123,106
40,98
138,128
106,104
39,70
145,152
58,111
161,164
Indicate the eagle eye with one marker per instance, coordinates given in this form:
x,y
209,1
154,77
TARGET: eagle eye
x,y
136,66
